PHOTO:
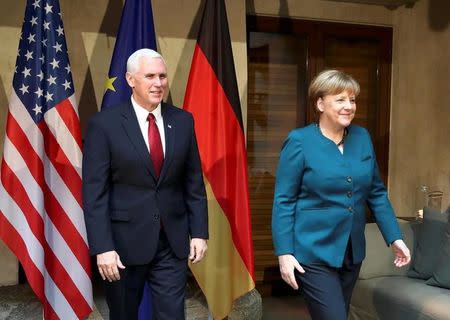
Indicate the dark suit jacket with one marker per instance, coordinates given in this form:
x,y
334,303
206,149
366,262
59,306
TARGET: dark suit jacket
x,y
124,203
320,197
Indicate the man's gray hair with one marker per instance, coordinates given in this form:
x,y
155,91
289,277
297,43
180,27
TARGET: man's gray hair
x,y
135,57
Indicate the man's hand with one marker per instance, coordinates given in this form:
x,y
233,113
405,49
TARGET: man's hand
x,y
401,252
288,264
108,264
198,249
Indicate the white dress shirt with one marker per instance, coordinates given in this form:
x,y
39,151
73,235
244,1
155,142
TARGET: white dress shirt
x,y
142,114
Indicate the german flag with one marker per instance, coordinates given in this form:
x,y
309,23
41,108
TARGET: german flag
x,y
212,97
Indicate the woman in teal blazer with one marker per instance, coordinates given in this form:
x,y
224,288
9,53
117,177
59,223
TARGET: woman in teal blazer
x,y
326,175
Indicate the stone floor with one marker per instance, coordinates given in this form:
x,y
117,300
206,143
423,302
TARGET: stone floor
x,y
19,303
285,308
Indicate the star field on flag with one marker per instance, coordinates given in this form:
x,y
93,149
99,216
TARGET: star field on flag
x,y
43,76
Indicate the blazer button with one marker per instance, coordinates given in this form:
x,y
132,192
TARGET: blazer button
x,y
349,179
349,194
350,209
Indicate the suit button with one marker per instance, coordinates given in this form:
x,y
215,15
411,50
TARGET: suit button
x,y
349,194
350,209
349,179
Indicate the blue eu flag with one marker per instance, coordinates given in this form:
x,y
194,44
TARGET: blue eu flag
x,y
136,31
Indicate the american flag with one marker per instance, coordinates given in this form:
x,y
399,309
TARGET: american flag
x,y
41,218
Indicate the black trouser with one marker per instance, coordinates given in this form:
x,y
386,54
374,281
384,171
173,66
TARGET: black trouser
x,y
166,275
328,290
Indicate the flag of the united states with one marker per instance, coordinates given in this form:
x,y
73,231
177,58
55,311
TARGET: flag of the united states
x,y
41,218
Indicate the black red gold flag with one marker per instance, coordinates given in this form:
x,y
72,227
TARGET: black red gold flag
x,y
212,97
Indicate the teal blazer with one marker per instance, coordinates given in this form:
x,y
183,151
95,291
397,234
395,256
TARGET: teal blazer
x,y
320,197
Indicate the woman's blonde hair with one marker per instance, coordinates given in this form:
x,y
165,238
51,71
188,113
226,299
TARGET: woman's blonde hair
x,y
331,82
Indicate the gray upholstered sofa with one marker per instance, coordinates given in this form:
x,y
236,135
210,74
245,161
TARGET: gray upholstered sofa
x,y
387,293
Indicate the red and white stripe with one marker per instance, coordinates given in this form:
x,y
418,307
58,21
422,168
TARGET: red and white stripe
x,y
41,217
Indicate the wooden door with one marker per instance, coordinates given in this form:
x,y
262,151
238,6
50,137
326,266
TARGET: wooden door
x,y
276,95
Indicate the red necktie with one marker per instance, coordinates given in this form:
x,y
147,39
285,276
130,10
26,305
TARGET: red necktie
x,y
154,140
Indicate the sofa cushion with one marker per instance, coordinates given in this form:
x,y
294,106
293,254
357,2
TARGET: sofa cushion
x,y
379,259
429,236
441,272
398,298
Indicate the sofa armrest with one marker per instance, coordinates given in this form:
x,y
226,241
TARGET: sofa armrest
x,y
379,259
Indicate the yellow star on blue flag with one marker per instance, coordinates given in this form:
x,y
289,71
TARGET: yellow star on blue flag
x,y
109,84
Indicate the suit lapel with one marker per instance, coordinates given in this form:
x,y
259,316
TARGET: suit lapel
x,y
133,131
169,133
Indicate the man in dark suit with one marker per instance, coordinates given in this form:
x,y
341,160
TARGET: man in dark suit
x,y
144,198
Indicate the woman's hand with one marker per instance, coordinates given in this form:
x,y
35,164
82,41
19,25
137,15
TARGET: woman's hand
x,y
288,264
401,252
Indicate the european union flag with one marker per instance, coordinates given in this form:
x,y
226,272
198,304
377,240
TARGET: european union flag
x,y
136,31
